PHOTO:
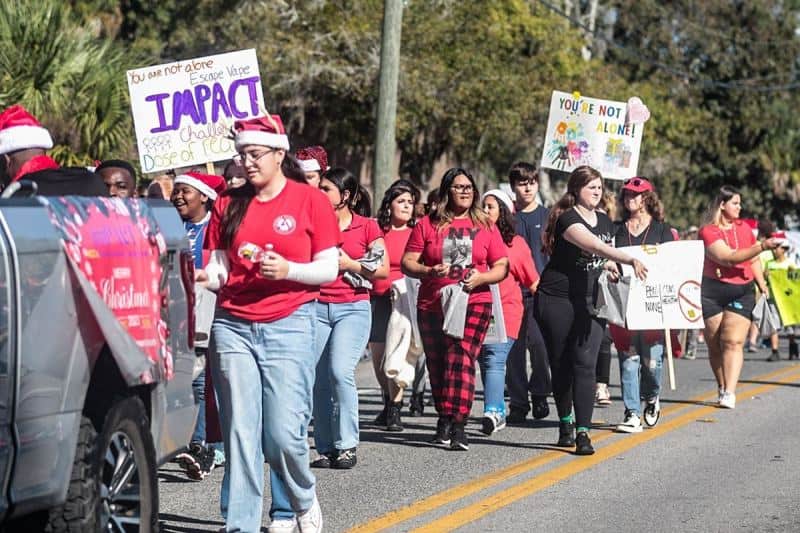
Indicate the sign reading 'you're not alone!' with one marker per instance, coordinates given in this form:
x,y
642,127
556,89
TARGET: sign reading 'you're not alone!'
x,y
183,111
594,132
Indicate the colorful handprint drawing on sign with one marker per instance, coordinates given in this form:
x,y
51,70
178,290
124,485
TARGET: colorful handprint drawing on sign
x,y
569,146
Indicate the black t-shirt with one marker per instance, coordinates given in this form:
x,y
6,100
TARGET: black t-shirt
x,y
66,181
655,233
572,272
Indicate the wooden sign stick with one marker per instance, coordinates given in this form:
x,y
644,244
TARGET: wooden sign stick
x,y
670,363
209,167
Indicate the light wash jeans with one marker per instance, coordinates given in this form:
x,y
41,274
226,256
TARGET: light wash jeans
x,y
649,359
342,335
492,361
264,376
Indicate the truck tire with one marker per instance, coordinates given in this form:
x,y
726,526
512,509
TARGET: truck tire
x,y
113,486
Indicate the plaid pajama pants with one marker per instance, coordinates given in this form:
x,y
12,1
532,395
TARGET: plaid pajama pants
x,y
450,361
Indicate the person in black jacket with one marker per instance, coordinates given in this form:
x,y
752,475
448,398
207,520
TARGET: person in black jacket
x,y
23,144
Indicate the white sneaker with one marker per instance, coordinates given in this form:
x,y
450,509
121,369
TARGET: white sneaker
x,y
720,394
632,424
602,396
311,520
492,422
652,412
282,525
728,400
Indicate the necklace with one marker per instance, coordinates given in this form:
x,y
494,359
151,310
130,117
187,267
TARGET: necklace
x,y
644,239
734,247
735,238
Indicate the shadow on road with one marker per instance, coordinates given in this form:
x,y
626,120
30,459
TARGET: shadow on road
x,y
186,524
778,383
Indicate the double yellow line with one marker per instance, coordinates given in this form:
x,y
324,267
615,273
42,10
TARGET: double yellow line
x,y
528,487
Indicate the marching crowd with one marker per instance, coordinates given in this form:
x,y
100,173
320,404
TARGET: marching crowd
x,y
306,279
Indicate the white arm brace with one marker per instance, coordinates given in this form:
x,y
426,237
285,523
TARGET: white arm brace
x,y
217,269
323,268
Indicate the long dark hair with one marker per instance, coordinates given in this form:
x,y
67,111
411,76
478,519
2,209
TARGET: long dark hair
x,y
442,214
358,200
384,214
505,222
725,194
578,179
241,197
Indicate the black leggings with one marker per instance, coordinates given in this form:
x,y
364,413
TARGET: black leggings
x,y
604,358
573,339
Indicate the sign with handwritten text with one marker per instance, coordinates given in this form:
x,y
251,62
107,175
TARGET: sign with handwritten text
x,y
670,296
589,131
183,111
785,288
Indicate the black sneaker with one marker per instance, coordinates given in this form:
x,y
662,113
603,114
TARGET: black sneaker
x,y
774,356
443,429
382,417
517,415
583,444
203,465
346,459
794,353
416,407
191,457
325,460
458,437
566,435
540,408
393,422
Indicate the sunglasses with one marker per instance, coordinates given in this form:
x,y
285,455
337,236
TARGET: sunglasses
x,y
636,182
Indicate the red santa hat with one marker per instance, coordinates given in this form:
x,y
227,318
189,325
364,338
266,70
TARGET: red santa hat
x,y
263,131
208,184
312,159
19,130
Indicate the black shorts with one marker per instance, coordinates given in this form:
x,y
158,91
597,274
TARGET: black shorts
x,y
381,309
718,296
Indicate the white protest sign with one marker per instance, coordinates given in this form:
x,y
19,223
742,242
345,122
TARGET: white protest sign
x,y
589,131
670,297
183,111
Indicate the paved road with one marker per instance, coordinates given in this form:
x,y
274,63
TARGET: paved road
x,y
701,469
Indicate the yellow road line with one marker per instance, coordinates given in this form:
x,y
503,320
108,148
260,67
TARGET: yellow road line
x,y
488,480
527,488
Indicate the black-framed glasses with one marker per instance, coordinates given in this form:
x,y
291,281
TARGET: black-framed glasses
x,y
462,188
241,158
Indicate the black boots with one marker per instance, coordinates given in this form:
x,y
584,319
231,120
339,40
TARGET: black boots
x,y
417,404
382,417
393,422
566,435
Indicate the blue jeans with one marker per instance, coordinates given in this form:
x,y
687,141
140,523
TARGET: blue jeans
x,y
342,335
492,361
649,359
199,390
264,376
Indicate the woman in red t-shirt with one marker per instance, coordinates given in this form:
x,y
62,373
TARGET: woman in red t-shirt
x,y
521,272
395,218
728,296
455,244
272,243
343,323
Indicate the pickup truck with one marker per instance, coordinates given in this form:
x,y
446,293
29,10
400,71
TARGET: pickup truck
x,y
96,360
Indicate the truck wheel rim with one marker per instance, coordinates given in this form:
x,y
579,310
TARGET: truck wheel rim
x,y
119,486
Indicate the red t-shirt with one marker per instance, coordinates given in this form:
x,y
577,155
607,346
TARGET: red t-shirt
x,y
521,271
395,246
463,246
356,240
299,222
737,237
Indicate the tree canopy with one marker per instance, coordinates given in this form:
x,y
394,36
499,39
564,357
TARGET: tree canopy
x,y
719,77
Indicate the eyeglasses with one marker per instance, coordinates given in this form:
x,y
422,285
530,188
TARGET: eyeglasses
x,y
464,189
241,158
